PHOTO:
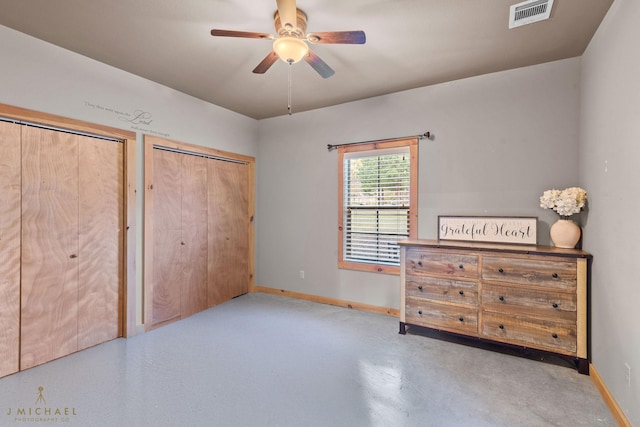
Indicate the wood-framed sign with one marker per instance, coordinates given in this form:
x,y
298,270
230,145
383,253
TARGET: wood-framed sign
x,y
494,229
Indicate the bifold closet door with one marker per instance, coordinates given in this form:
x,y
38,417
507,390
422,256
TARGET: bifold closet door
x,y
72,216
228,230
167,237
194,247
9,248
101,244
180,235
199,223
49,246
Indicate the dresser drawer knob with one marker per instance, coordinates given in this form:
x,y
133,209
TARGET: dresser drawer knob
x,y
501,298
554,275
420,263
501,326
500,270
461,319
420,312
419,287
554,335
461,267
461,292
555,305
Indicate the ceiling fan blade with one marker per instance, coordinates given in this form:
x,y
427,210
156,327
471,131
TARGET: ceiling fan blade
x,y
288,13
337,37
266,63
319,65
244,34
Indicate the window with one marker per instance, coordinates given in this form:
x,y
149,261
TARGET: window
x,y
377,203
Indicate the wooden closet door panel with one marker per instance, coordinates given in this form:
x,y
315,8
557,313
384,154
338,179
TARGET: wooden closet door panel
x,y
49,245
194,235
228,231
167,238
9,248
101,240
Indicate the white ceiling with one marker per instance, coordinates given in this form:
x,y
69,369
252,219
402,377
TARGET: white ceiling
x,y
410,43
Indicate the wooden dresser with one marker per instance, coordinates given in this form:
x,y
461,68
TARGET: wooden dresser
x,y
525,296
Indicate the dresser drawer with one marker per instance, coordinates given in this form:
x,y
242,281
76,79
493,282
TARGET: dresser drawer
x,y
442,289
447,317
536,303
534,272
542,334
423,261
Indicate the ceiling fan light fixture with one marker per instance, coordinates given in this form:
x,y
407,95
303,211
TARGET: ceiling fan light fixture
x,y
290,49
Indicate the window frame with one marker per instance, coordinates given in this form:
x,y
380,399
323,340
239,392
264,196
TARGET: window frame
x,y
412,143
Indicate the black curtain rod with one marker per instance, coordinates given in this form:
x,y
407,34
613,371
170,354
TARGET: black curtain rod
x,y
426,135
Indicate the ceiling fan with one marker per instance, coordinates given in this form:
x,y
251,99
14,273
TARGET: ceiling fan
x,y
290,44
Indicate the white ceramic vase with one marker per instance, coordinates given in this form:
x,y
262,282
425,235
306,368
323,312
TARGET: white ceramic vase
x,y
565,233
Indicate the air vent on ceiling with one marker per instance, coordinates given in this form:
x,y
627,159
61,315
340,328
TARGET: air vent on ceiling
x,y
529,11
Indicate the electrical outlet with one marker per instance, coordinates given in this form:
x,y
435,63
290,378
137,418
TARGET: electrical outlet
x,y
302,274
627,374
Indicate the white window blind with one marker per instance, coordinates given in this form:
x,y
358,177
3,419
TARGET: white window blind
x,y
376,205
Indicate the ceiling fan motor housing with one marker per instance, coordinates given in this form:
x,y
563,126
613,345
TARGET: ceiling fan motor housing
x,y
300,29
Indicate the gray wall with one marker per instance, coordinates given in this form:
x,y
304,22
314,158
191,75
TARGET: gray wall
x,y
609,170
500,141
42,77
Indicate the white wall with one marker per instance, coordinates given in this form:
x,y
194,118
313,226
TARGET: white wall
x,y
500,141
609,170
42,77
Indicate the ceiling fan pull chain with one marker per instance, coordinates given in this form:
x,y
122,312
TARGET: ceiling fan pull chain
x,y
289,91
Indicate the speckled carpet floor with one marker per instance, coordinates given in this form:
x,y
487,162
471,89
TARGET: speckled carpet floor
x,y
263,360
